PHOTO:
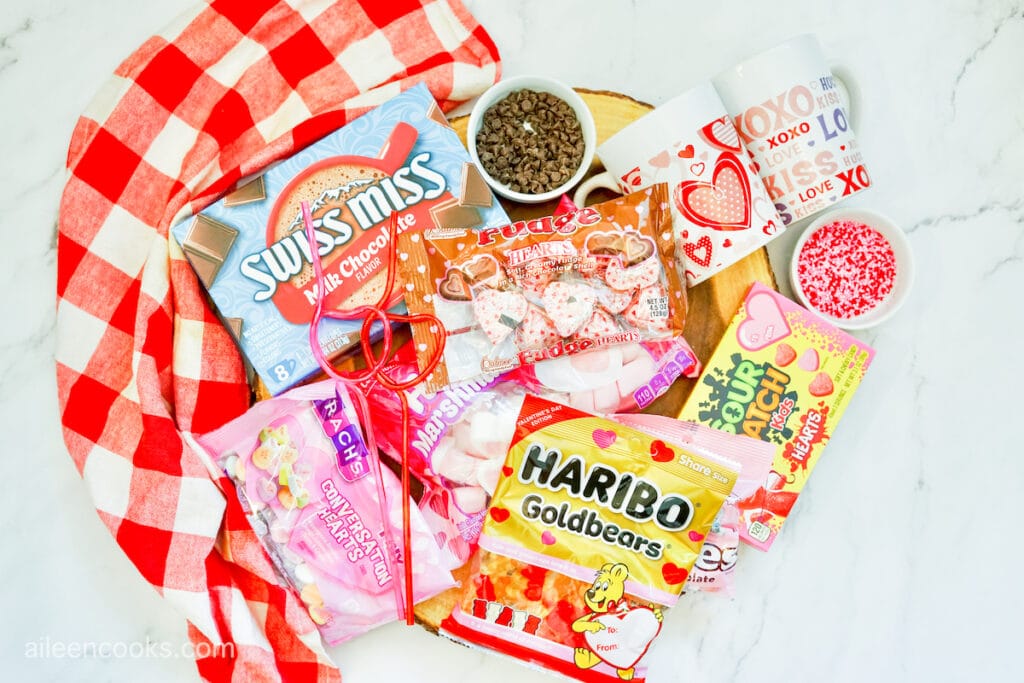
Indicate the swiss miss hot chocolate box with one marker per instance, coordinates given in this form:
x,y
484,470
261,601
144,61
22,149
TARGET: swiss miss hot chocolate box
x,y
782,375
250,250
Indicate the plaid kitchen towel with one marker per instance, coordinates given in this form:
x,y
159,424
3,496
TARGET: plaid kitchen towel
x,y
142,363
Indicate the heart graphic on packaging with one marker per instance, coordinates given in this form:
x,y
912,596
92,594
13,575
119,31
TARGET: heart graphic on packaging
x,y
673,574
604,437
722,134
454,287
625,638
686,152
699,252
660,452
765,323
660,160
722,204
499,515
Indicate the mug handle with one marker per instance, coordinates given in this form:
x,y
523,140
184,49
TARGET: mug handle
x,y
849,90
605,180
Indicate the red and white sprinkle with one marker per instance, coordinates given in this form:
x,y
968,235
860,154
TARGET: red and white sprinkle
x,y
846,268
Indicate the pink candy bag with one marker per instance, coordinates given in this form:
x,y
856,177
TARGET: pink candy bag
x,y
713,570
310,488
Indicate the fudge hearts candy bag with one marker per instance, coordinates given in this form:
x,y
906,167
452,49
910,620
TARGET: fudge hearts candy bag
x,y
543,288
592,531
310,488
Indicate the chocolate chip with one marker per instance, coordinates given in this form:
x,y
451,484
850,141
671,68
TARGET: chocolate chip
x,y
531,141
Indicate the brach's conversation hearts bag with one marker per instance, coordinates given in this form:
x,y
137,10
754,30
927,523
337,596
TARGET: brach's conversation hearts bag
x,y
548,287
782,375
592,530
714,569
310,489
251,253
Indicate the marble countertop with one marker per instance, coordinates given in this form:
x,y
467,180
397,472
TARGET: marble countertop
x,y
900,563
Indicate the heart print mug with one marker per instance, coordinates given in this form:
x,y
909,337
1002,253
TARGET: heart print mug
x,y
720,210
793,115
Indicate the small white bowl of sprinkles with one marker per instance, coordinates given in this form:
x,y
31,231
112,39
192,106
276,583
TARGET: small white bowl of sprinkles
x,y
852,267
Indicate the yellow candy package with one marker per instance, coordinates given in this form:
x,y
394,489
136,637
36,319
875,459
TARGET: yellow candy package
x,y
593,529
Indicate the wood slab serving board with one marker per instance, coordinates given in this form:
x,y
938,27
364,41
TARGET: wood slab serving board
x,y
713,302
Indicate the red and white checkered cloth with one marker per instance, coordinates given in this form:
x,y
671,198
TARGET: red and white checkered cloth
x,y
142,363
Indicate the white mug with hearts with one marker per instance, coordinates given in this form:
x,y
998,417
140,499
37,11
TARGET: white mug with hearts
x,y
720,210
794,115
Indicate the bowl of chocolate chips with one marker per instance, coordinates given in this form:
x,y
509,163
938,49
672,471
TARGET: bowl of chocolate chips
x,y
532,137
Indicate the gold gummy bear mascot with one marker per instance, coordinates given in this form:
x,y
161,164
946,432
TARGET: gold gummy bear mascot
x,y
605,596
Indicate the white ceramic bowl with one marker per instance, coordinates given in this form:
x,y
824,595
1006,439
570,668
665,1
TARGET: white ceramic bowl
x,y
904,267
499,91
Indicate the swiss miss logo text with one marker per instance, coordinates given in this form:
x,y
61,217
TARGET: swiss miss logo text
x,y
339,215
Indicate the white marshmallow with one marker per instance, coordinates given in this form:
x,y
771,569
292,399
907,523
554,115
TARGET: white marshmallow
x,y
635,374
470,499
497,427
488,474
453,464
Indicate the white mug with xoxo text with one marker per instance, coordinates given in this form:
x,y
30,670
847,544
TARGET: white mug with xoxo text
x,y
793,115
720,210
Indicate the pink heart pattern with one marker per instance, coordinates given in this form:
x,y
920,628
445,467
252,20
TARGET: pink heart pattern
x,y
660,160
604,437
765,323
569,305
499,313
